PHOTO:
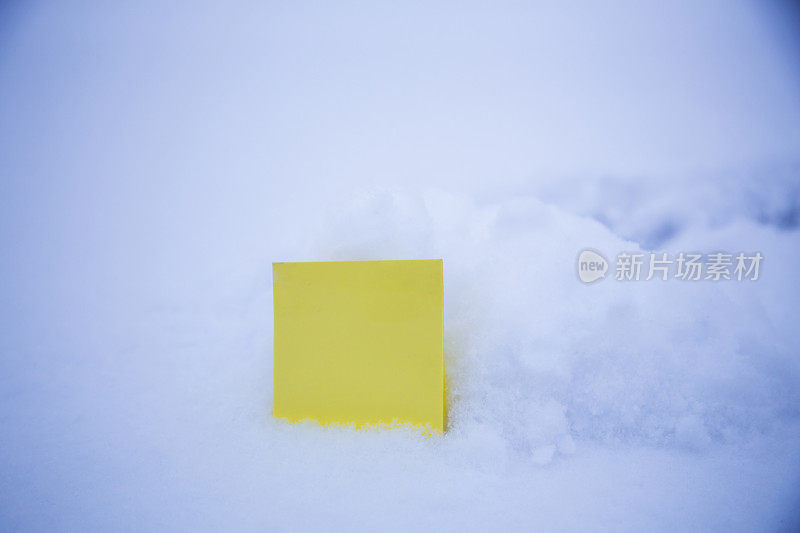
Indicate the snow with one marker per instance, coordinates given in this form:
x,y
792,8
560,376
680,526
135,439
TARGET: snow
x,y
153,168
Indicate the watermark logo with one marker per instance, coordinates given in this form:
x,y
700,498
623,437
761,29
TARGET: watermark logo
x,y
591,266
684,266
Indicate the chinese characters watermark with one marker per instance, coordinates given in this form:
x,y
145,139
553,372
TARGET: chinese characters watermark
x,y
685,266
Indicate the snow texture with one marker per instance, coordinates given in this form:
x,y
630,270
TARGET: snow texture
x,y
155,160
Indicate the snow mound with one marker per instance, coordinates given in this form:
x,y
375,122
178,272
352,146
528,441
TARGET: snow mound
x,y
540,359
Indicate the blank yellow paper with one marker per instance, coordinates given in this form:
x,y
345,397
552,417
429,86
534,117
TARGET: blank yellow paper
x,y
359,342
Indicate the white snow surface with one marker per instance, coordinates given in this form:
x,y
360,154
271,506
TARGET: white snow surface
x,y
154,165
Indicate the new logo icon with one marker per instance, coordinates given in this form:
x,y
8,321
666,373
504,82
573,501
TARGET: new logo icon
x,y
591,266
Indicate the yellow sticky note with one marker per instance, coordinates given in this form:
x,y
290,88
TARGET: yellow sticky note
x,y
359,342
